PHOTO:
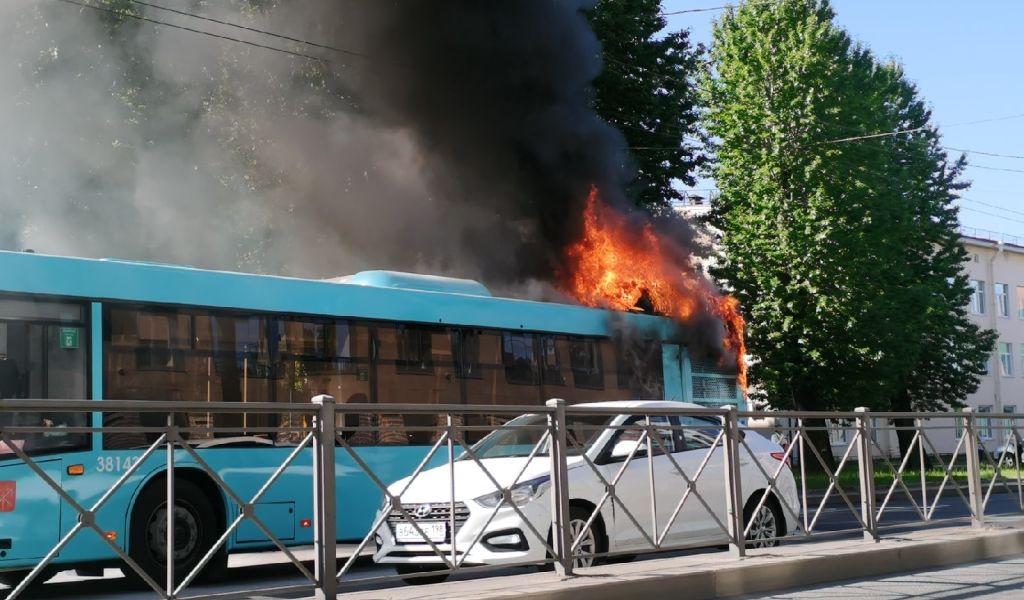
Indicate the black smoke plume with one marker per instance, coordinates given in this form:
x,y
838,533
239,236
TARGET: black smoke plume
x,y
498,96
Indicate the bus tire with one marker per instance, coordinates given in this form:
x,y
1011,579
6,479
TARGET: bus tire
x,y
196,530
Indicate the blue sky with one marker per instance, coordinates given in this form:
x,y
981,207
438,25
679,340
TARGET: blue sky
x,y
966,59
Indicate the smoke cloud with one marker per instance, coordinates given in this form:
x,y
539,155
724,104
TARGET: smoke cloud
x,y
451,136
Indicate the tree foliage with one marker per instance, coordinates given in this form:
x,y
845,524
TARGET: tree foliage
x,y
844,252
648,91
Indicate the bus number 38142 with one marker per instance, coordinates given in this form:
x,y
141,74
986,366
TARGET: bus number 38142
x,y
114,464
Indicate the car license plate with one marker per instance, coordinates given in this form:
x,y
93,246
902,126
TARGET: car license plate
x,y
435,532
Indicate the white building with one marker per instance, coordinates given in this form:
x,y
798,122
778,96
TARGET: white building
x,y
996,271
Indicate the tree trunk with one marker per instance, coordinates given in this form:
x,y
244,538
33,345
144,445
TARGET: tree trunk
x,y
818,438
901,403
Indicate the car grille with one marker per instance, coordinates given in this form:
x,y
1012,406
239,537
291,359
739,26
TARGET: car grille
x,y
440,511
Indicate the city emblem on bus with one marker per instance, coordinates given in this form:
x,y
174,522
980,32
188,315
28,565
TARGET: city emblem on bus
x,y
422,511
8,494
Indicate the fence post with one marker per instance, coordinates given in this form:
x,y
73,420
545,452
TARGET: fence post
x,y
975,494
172,438
733,487
866,473
561,535
324,483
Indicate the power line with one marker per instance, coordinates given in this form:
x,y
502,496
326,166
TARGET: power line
x,y
696,10
122,13
916,129
872,136
996,169
712,8
983,212
252,29
990,205
982,153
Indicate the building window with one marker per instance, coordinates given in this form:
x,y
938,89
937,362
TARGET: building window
x,y
985,425
977,296
1020,302
1007,424
1002,299
1005,359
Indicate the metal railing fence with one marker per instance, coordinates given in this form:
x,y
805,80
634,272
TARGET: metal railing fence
x,y
618,481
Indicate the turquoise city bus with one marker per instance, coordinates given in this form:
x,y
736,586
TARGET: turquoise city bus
x,y
73,328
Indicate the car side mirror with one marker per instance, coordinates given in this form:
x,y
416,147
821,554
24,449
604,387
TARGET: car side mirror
x,y
623,448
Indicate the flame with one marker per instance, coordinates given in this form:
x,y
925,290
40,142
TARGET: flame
x,y
617,264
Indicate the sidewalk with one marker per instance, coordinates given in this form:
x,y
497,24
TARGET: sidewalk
x,y
720,576
988,580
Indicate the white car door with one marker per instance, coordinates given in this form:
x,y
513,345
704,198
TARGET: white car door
x,y
633,489
695,522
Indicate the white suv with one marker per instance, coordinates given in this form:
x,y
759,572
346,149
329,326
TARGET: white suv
x,y
496,537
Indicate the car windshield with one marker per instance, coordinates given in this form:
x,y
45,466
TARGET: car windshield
x,y
519,436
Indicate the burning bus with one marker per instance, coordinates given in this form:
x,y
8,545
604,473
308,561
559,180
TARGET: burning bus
x,y
73,328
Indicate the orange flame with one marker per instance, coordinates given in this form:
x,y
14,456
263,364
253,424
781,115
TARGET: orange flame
x,y
619,265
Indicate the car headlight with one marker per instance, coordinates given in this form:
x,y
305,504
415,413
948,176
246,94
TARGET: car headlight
x,y
520,494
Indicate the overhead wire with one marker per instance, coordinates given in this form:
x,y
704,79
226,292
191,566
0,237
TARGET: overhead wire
x,y
991,214
157,22
250,29
687,11
990,205
966,151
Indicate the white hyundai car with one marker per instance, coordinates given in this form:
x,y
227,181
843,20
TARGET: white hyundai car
x,y
489,531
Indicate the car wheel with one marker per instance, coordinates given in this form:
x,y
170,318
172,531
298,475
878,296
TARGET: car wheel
x,y
404,570
590,537
766,524
195,532
1009,461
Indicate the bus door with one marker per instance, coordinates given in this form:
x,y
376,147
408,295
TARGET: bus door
x,y
43,354
672,364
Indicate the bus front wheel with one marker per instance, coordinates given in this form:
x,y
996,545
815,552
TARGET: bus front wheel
x,y
195,532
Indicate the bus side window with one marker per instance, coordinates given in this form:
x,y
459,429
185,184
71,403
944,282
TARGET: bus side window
x,y
414,366
519,357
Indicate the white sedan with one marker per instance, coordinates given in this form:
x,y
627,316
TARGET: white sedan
x,y
489,531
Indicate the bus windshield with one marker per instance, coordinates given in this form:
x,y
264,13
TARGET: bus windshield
x,y
519,436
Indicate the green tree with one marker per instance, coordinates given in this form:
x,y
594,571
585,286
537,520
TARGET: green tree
x,y
648,91
844,255
951,351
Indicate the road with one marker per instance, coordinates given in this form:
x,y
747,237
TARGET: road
x,y
112,586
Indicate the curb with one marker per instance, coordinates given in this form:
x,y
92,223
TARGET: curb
x,y
705,577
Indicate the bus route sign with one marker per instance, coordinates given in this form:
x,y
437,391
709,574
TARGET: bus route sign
x,y
69,338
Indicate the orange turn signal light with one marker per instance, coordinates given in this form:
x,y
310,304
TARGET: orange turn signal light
x,y
111,535
75,470
305,523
